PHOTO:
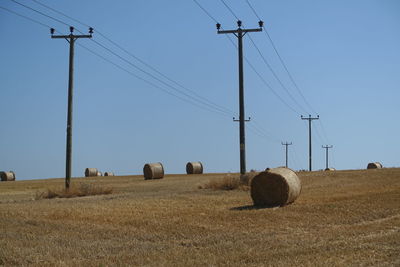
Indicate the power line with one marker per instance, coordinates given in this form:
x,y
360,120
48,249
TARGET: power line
x,y
205,11
269,66
149,82
41,13
281,60
25,17
61,13
186,100
230,10
221,108
200,99
257,130
275,75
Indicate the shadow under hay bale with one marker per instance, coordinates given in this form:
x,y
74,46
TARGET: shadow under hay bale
x,y
91,172
194,167
275,187
7,176
109,174
153,171
374,165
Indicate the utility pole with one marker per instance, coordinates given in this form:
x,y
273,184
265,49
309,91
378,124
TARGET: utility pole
x,y
326,157
310,119
71,38
239,33
287,144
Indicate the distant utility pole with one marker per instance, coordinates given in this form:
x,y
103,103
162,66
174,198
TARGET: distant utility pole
x,y
287,144
309,136
327,148
239,33
71,38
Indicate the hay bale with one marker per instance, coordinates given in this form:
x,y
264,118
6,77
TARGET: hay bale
x,y
275,187
7,176
108,174
99,173
194,167
90,172
153,171
330,169
374,165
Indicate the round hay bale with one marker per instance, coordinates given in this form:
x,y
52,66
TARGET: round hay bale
x,y
374,165
108,174
275,187
99,173
194,167
330,169
89,172
7,176
153,171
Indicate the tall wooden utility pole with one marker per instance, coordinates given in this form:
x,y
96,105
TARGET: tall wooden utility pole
x,y
71,38
287,144
239,33
310,119
326,157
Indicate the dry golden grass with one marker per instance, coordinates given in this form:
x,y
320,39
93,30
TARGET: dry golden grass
x,y
76,190
341,218
228,182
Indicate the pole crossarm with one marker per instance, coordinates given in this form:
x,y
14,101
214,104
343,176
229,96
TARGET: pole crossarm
x,y
243,31
70,36
246,120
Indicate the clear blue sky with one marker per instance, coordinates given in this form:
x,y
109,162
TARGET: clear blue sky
x,y
344,55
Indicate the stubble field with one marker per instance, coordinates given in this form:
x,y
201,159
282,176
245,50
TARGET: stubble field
x,y
341,218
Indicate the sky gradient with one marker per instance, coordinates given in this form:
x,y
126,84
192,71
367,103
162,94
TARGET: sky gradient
x,y
343,55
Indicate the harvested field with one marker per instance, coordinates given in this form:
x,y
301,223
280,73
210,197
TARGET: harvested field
x,y
341,218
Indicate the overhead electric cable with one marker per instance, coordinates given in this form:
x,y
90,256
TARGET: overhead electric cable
x,y
138,59
202,101
25,17
258,74
41,13
129,72
275,75
230,10
281,60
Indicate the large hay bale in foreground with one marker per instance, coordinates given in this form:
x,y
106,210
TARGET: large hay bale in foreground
x,y
90,172
275,187
108,174
153,171
374,165
7,176
194,167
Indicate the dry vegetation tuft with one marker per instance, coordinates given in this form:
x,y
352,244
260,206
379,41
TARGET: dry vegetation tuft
x,y
228,182
80,190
